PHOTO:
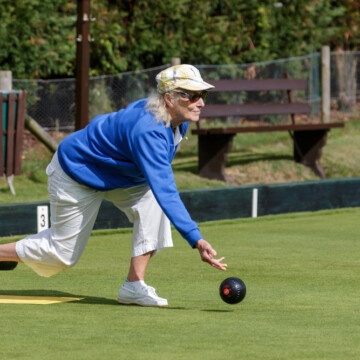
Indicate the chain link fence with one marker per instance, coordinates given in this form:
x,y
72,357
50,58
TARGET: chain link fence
x,y
345,82
305,67
52,102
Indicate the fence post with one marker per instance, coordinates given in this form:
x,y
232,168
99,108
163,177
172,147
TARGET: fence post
x,y
5,80
175,61
325,84
82,64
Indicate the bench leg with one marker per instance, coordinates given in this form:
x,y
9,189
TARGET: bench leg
x,y
308,148
213,151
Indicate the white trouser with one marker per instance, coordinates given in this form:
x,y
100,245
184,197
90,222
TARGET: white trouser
x,y
74,209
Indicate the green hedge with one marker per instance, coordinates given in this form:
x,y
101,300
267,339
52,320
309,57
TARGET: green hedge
x,y
37,37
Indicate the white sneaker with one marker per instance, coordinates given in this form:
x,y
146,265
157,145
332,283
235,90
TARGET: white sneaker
x,y
141,294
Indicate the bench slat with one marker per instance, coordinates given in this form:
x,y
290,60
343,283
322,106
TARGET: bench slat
x,y
266,128
257,84
254,109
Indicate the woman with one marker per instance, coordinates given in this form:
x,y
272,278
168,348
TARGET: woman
x,y
124,157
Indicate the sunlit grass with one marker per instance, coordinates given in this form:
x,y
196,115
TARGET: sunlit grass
x,y
301,273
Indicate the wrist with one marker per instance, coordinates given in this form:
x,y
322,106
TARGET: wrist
x,y
198,243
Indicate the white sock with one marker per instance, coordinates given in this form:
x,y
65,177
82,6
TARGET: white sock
x,y
136,284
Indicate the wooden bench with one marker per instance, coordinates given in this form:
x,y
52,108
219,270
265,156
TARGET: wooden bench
x,y
215,143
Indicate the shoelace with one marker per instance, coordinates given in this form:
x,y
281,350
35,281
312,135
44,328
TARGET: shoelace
x,y
152,290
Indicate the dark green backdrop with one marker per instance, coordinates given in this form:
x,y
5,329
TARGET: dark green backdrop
x,y
213,204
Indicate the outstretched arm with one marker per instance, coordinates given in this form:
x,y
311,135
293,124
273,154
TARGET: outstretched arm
x,y
207,254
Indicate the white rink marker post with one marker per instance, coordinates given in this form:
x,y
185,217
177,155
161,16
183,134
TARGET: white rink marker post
x,y
42,218
254,208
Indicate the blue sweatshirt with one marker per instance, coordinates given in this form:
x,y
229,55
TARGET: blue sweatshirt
x,y
125,149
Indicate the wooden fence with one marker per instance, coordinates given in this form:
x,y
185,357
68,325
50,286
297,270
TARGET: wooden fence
x,y
12,118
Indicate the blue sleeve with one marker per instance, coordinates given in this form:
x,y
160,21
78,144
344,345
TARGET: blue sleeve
x,y
152,156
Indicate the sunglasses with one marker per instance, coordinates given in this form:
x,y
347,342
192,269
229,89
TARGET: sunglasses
x,y
193,97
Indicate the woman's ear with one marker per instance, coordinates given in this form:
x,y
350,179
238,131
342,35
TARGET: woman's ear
x,y
168,100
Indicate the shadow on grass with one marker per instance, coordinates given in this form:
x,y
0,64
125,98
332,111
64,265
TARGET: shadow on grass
x,y
88,300
238,159
190,166
52,293
5,190
217,311
233,159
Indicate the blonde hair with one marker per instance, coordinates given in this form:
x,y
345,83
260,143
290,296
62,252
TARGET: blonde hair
x,y
157,106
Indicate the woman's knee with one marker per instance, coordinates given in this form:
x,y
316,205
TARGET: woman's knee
x,y
66,263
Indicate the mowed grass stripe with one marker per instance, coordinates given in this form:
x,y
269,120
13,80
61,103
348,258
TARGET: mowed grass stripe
x,y
301,272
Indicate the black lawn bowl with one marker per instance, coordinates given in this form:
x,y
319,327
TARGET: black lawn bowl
x,y
232,290
8,265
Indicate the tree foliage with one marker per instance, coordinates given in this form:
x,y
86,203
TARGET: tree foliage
x,y
348,24
37,37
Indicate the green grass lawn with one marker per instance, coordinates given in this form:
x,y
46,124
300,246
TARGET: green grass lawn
x,y
301,271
